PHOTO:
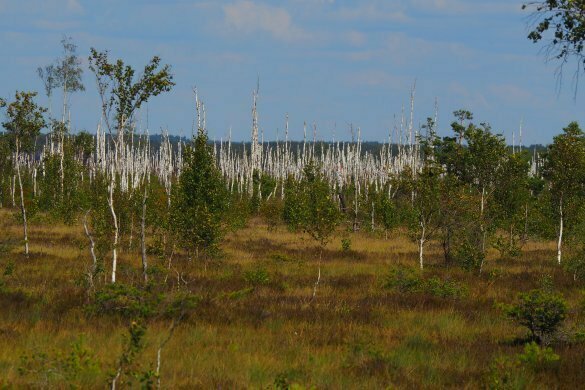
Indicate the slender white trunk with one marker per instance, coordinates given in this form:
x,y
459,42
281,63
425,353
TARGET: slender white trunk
x,y
91,249
34,177
115,379
560,242
62,153
115,220
13,189
161,346
318,274
22,208
421,245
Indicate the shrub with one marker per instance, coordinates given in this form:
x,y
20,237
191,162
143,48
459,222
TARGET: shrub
x,y
538,358
257,277
505,373
576,266
444,288
406,280
403,280
345,244
515,372
123,300
271,212
469,257
506,249
541,311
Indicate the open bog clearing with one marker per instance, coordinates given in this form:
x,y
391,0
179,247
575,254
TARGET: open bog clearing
x,y
254,323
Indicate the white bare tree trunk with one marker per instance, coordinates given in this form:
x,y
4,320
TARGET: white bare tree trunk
x,y
115,220
62,154
161,346
318,275
421,245
13,190
22,208
34,177
91,249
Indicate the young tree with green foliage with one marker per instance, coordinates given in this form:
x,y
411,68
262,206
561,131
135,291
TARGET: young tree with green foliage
x,y
472,165
458,126
426,187
511,197
200,200
426,206
484,156
25,119
68,72
564,169
542,311
309,207
121,96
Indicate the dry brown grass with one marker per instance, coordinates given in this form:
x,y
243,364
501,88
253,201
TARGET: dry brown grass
x,y
355,334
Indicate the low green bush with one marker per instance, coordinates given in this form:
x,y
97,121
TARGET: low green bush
x,y
257,277
406,280
126,301
542,311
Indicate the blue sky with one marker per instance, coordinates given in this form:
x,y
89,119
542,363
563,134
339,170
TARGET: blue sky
x,y
332,62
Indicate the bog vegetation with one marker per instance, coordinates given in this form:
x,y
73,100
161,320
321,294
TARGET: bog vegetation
x,y
428,262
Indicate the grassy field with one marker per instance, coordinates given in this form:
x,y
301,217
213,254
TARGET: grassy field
x,y
256,326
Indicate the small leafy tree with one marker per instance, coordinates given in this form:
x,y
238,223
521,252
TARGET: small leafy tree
x,y
564,169
485,154
542,311
386,210
121,95
309,207
511,197
426,189
201,199
25,119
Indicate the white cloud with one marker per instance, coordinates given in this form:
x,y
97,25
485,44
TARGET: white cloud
x,y
245,16
372,11
74,6
458,7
